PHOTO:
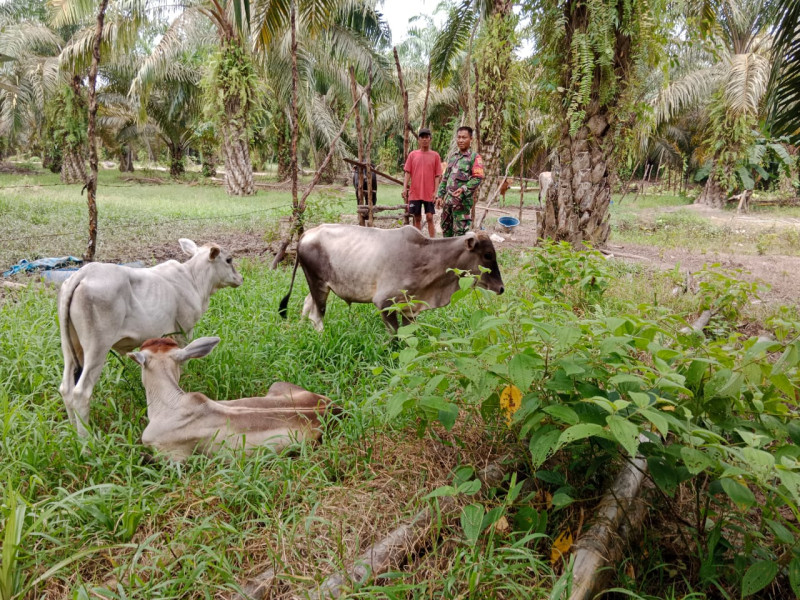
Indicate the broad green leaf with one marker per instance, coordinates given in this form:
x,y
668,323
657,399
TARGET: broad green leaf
x,y
542,444
471,520
758,576
738,492
566,336
522,370
794,575
396,404
491,517
526,519
444,490
784,384
562,413
562,499
782,534
627,433
787,360
407,355
732,387
696,461
579,432
657,419
664,474
470,487
640,399
750,438
571,368
447,416
792,482
626,378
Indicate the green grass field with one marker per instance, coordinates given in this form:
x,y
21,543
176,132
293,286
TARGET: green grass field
x,y
99,519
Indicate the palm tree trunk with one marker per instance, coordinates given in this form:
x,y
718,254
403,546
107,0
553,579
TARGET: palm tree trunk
x,y
493,58
577,203
176,164
126,159
712,195
73,166
236,152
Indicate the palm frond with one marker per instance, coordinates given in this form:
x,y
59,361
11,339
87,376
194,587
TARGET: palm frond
x,y
694,88
785,81
746,83
452,40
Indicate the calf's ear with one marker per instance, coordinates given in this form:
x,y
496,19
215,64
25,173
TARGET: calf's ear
x,y
139,357
197,349
188,246
213,252
470,240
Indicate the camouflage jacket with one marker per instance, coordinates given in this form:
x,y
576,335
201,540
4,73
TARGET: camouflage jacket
x,y
464,170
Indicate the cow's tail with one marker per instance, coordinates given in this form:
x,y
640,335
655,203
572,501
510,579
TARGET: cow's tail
x,y
283,306
64,303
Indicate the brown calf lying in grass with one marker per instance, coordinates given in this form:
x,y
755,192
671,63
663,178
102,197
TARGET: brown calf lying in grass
x,y
182,423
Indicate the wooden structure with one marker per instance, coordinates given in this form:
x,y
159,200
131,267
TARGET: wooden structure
x,y
366,210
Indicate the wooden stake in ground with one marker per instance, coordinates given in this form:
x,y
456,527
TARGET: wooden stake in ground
x,y
359,171
368,149
301,206
404,96
91,185
479,222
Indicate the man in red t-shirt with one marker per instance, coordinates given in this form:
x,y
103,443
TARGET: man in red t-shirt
x,y
423,171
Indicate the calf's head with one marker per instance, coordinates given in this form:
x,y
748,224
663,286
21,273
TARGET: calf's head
x,y
217,261
481,253
161,358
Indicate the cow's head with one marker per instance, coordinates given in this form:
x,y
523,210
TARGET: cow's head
x,y
221,271
482,252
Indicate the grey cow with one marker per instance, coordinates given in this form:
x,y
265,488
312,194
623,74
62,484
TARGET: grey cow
x,y
385,266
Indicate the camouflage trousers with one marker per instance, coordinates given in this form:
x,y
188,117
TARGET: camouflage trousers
x,y
455,222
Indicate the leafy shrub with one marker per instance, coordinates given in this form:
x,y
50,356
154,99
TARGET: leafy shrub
x,y
717,415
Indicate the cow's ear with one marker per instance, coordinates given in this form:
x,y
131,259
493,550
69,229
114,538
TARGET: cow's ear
x,y
188,246
139,357
470,240
197,349
213,252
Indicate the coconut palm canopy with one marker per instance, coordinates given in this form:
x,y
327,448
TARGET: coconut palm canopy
x,y
211,81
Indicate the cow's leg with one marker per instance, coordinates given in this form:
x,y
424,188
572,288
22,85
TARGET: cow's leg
x,y
390,317
316,302
68,384
93,360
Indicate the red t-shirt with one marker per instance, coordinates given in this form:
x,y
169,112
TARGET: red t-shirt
x,y
424,168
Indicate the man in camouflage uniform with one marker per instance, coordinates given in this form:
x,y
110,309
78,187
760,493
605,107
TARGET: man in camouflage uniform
x,y
462,177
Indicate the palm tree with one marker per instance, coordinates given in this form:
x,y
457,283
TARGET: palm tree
x,y
595,56
731,87
29,77
785,105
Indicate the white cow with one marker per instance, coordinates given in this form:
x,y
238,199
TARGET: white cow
x,y
545,181
182,423
105,306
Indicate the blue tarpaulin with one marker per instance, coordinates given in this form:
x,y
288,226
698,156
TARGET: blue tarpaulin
x,y
42,264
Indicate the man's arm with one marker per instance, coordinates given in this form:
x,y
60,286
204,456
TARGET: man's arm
x,y
476,177
406,181
442,183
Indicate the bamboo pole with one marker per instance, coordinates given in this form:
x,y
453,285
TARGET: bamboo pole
x,y
91,185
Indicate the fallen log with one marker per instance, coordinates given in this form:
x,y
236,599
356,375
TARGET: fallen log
x,y
388,553
619,514
392,551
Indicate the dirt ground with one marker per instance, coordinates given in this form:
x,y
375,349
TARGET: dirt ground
x,y
779,272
